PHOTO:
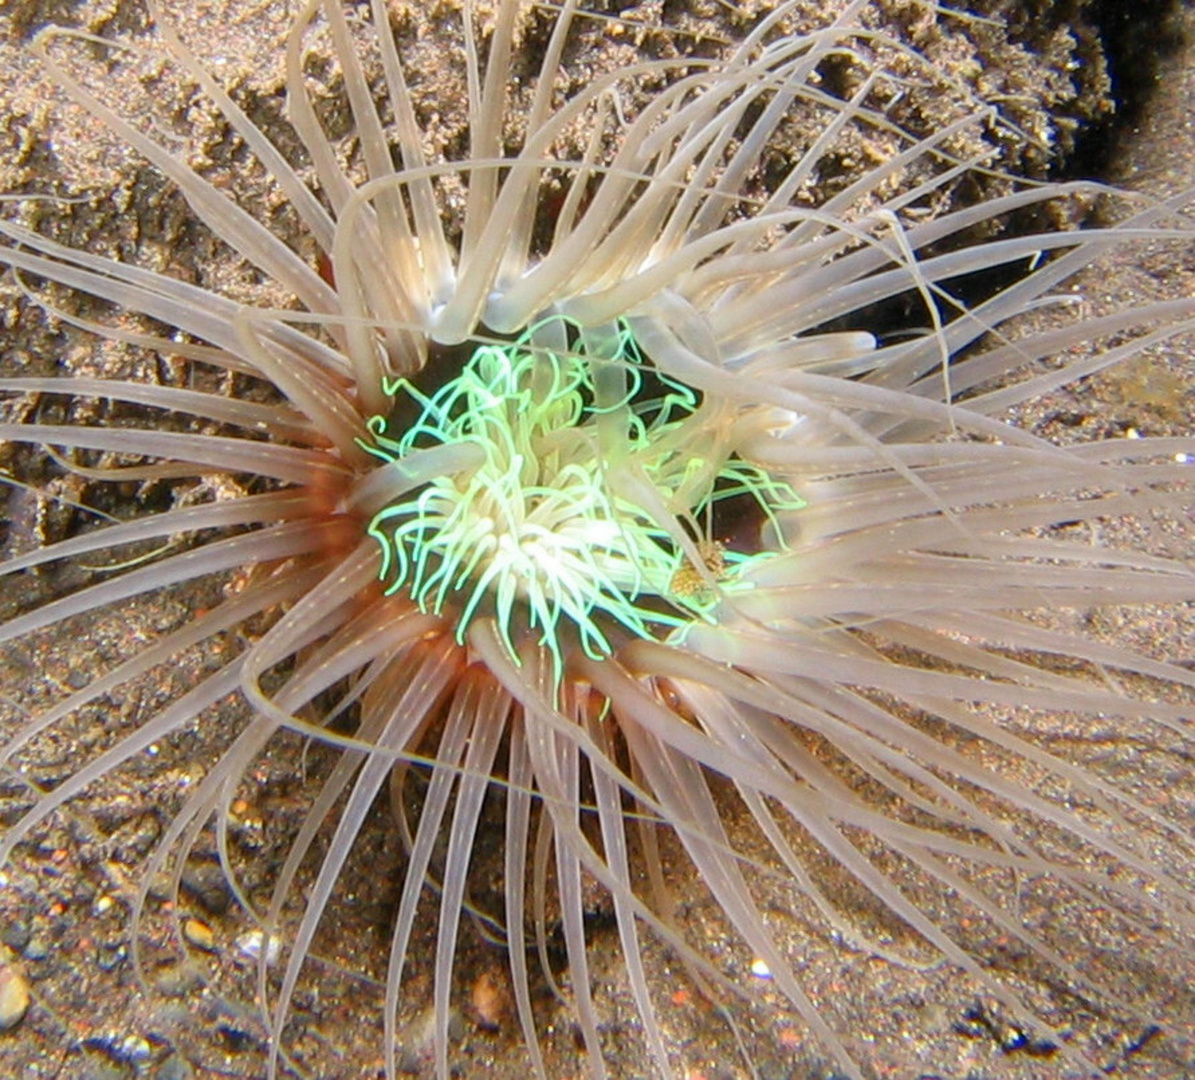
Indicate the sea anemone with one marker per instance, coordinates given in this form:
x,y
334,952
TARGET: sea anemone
x,y
633,491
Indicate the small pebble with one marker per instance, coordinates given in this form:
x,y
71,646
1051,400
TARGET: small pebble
x,y
760,969
111,955
134,1049
200,935
14,997
37,949
250,944
490,998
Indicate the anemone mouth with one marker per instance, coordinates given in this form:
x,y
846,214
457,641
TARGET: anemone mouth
x,y
561,484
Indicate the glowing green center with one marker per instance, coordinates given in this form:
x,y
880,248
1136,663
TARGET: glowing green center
x,y
589,507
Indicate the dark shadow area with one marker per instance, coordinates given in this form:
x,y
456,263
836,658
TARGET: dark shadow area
x,y
1137,36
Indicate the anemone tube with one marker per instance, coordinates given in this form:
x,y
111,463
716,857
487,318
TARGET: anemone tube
x,y
610,520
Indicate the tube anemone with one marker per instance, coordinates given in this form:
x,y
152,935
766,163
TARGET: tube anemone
x,y
571,490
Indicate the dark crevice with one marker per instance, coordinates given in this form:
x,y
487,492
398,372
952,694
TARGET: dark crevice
x,y
1137,37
